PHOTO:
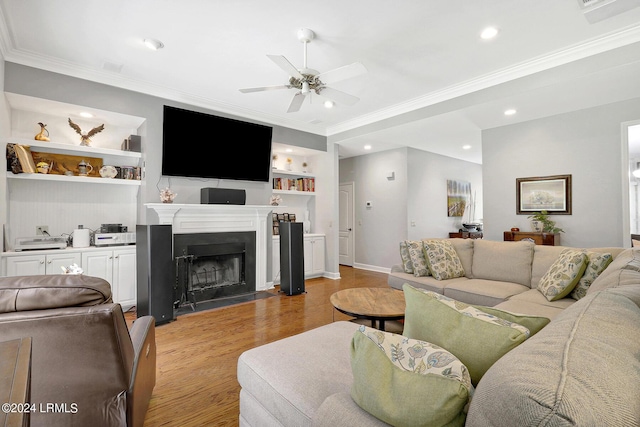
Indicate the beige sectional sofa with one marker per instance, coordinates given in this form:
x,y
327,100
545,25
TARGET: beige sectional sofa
x,y
500,274
582,369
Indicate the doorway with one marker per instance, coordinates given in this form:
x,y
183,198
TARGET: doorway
x,y
631,181
346,234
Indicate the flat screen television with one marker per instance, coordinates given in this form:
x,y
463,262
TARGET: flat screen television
x,y
200,145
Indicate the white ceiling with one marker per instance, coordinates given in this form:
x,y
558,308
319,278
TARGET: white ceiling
x,y
432,83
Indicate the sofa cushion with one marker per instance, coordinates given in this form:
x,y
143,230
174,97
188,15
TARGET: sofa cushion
x,y
418,260
406,381
477,338
407,265
596,264
503,261
581,370
481,291
339,410
24,293
563,275
293,376
624,270
442,259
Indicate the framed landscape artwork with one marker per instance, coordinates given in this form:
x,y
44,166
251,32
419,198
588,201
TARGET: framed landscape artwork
x,y
548,193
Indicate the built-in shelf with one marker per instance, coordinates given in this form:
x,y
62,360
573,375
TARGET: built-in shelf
x,y
292,192
64,178
285,181
75,150
294,173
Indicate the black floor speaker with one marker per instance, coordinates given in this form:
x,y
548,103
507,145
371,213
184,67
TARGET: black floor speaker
x,y
156,272
291,258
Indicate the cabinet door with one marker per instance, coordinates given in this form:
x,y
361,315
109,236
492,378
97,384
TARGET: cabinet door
x,y
55,261
99,264
275,257
124,277
308,256
26,265
318,256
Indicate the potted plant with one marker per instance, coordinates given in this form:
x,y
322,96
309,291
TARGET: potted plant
x,y
541,222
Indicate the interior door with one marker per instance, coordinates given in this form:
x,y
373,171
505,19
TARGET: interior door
x,y
346,243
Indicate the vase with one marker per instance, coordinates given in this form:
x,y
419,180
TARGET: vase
x,y
536,226
306,224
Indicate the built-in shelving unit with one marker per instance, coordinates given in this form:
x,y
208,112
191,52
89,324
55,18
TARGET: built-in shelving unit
x,y
292,182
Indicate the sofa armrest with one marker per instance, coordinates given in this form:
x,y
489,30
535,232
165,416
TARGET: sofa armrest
x,y
143,374
397,269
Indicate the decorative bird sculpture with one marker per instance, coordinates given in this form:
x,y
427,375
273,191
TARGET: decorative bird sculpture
x,y
85,137
44,133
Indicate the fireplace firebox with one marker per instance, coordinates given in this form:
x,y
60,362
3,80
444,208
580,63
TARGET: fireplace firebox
x,y
211,266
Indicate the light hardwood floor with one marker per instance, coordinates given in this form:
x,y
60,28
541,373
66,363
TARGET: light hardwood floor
x,y
198,353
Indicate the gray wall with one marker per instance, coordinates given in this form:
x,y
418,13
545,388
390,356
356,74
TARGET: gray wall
x,y
44,84
417,195
586,144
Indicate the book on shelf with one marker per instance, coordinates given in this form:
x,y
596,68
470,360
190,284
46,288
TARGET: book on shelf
x,y
23,153
297,184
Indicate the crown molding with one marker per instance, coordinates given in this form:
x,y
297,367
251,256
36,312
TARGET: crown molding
x,y
624,37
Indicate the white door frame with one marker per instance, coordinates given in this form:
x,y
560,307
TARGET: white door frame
x,y
352,232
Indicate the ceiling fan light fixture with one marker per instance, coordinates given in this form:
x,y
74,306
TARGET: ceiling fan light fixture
x,y
153,44
305,88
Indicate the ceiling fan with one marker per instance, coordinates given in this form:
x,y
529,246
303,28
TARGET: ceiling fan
x,y
307,80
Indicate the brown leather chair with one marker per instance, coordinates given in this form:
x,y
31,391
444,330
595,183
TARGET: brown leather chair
x,y
87,368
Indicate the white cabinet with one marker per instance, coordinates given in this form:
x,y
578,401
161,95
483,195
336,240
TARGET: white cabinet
x,y
313,246
116,266
313,256
39,264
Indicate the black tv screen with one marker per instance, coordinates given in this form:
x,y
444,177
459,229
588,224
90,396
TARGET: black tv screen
x,y
200,145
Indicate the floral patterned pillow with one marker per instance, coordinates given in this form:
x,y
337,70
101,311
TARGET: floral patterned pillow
x,y
442,259
563,275
596,264
404,381
416,254
407,265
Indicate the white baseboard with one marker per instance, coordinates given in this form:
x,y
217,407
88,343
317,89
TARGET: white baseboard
x,y
332,276
372,268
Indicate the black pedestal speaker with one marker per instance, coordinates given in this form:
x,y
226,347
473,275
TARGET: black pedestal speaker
x,y
291,258
156,272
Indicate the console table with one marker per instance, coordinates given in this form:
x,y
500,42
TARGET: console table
x,y
538,238
466,235
15,381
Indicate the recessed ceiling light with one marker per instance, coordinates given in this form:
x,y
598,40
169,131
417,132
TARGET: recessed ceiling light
x,y
86,115
466,147
489,33
153,44
367,147
289,150
509,112
329,104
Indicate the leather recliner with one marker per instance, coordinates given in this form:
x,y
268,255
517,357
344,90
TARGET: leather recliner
x,y
87,368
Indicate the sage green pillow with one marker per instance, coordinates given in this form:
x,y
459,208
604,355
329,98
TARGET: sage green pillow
x,y
442,259
596,264
416,254
533,323
476,337
563,275
407,265
406,382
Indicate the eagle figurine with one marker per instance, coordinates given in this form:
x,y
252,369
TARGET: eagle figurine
x,y
85,137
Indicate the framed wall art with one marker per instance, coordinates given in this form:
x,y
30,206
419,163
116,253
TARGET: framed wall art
x,y
548,193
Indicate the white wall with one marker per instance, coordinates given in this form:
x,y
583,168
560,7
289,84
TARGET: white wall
x,y
586,144
427,193
5,128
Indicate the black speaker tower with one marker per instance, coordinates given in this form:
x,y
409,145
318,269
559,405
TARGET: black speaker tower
x,y
291,258
156,272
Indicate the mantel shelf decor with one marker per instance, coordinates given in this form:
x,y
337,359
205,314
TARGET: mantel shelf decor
x,y
549,193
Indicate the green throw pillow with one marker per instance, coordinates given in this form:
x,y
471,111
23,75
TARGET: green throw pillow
x,y
596,264
407,382
476,337
416,254
442,259
533,323
563,275
407,265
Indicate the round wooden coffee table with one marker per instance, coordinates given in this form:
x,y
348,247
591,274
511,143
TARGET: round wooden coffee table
x,y
375,304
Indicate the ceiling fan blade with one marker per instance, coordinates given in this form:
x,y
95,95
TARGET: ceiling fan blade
x,y
264,88
284,63
338,96
296,103
348,71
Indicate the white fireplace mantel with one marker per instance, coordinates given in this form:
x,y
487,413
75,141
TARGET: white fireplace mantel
x,y
195,218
